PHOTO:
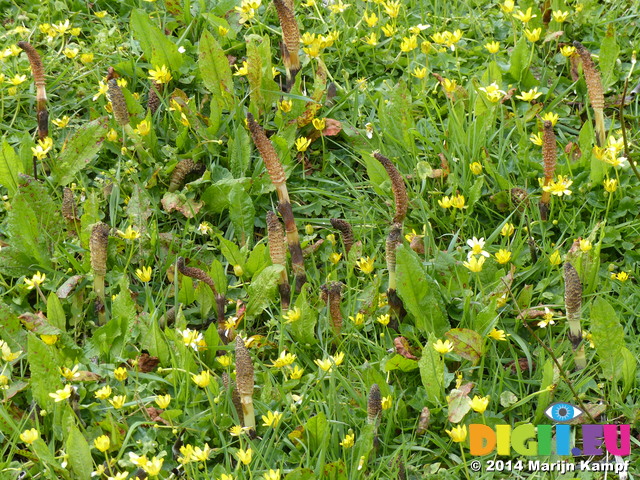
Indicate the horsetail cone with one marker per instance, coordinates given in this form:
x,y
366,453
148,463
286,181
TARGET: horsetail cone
x,y
332,293
374,405
573,305
204,277
98,243
397,186
393,239
180,172
549,158
290,39
594,89
245,382
153,98
268,154
345,230
37,70
275,234
69,208
118,103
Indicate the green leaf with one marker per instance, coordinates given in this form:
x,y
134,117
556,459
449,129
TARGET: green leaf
x,y
10,168
79,454
157,47
219,277
215,70
242,214
303,330
420,294
155,342
545,397
377,175
609,51
466,343
204,297
608,337
520,62
628,371
79,150
45,378
216,197
301,474
398,362
262,290
55,312
239,152
258,259
231,252
432,371
316,428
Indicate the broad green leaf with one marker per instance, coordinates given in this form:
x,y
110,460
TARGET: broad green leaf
x,y
11,331
155,342
254,72
466,343
204,297
303,330
628,371
10,168
231,252
79,150
458,403
608,337
219,277
544,399
398,362
43,364
215,70
301,474
79,454
420,294
55,312
239,152
242,214
432,371
609,51
216,197
335,471
112,337
316,428
262,290
157,47
520,63
258,259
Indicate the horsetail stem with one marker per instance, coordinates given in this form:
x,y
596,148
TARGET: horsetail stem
x,y
245,383
69,208
573,305
98,243
275,234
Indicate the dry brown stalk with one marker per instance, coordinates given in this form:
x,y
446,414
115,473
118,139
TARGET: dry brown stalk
x,y
332,293
153,99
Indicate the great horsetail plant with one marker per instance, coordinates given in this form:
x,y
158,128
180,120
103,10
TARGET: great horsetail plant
x,y
230,386
374,410
98,243
573,305
290,40
244,383
398,187
332,294
549,157
275,234
278,178
119,104
346,232
393,240
153,99
69,208
180,172
203,277
595,90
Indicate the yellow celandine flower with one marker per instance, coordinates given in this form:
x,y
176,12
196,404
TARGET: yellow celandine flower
x,y
20,30
547,319
551,117
224,360
476,168
120,374
35,281
365,264
295,372
324,364
62,27
502,300
319,123
201,454
445,202
271,419
536,139
530,95
144,274
244,455
507,6
49,339
71,52
371,19
60,395
86,58
477,247
338,358
47,29
222,31
112,135
387,402
61,122
308,38
192,338
448,39
493,92
138,460
103,393
389,30
75,31
409,43
503,256
101,13
524,17
153,466
568,50
475,264
348,441
271,475
533,35
225,476
492,47
302,144
119,476
163,401
458,434
449,85
358,319
621,276
559,16
458,202
118,401
143,128
69,374
479,404
425,47
611,185
236,431
419,72
30,436
558,187
4,382
443,347
498,335
416,29
335,257
555,258
585,245
242,70
102,443
285,105
384,319
293,315
160,74
507,230
284,359
103,89
202,379
338,7
7,354
392,9
331,238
